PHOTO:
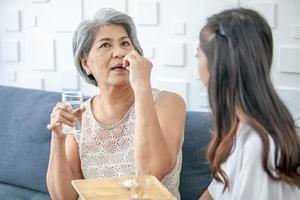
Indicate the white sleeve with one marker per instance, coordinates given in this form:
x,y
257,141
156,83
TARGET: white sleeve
x,y
252,180
212,189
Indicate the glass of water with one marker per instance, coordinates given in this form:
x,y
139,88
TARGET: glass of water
x,y
140,190
74,98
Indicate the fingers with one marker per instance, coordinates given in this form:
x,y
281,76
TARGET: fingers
x,y
64,114
53,126
62,106
78,113
63,118
126,63
130,57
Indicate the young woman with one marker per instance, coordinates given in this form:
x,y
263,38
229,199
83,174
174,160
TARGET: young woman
x,y
255,151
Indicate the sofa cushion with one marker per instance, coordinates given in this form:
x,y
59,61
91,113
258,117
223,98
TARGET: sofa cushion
x,y
195,173
24,138
11,192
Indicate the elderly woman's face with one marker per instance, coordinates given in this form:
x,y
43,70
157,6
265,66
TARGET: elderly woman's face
x,y
105,59
203,66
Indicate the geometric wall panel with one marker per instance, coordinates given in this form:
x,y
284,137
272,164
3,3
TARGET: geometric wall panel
x,y
42,56
297,123
11,50
203,100
120,5
88,89
289,59
178,86
268,10
64,53
11,75
146,13
13,16
92,6
36,42
175,53
67,21
69,79
178,27
39,1
32,21
212,7
33,81
296,31
291,99
148,51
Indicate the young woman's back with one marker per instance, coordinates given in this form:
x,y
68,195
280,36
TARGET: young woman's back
x,y
245,172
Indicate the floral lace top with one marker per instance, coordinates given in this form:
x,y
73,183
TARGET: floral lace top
x,y
104,150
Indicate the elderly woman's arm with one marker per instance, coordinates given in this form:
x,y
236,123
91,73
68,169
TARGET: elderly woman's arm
x,y
62,170
64,161
159,131
206,196
159,125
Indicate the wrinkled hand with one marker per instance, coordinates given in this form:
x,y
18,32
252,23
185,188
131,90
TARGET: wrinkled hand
x,y
139,69
63,114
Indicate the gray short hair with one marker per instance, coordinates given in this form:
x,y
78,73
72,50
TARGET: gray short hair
x,y
84,36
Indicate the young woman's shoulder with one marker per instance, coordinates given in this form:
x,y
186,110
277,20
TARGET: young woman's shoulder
x,y
253,145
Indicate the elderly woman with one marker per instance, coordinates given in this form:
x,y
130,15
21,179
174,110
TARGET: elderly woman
x,y
128,125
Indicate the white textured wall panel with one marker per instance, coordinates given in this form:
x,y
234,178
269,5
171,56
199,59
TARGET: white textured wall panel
x,y
146,12
91,6
203,100
13,19
33,81
175,55
178,27
211,7
291,97
11,50
42,54
297,123
32,21
88,89
67,21
167,31
289,59
39,1
178,86
296,31
268,10
149,51
69,79
11,75
64,53
120,5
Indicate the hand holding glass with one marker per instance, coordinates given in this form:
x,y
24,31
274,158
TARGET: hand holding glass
x,y
74,99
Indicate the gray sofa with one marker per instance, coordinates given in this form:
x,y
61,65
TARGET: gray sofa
x,y
25,145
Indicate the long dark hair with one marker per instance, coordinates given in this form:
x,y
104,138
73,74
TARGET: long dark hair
x,y
239,48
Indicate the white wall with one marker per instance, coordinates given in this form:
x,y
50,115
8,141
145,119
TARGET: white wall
x,y
35,40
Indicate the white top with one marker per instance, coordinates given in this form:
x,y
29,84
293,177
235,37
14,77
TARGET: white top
x,y
107,150
247,178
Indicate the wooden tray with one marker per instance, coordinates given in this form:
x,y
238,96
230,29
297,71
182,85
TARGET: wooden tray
x,y
109,189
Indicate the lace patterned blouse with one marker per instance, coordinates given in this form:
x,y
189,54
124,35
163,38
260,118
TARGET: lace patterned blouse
x,y
104,150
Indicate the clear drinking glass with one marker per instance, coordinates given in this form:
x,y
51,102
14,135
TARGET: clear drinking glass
x,y
126,177
140,190
74,98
